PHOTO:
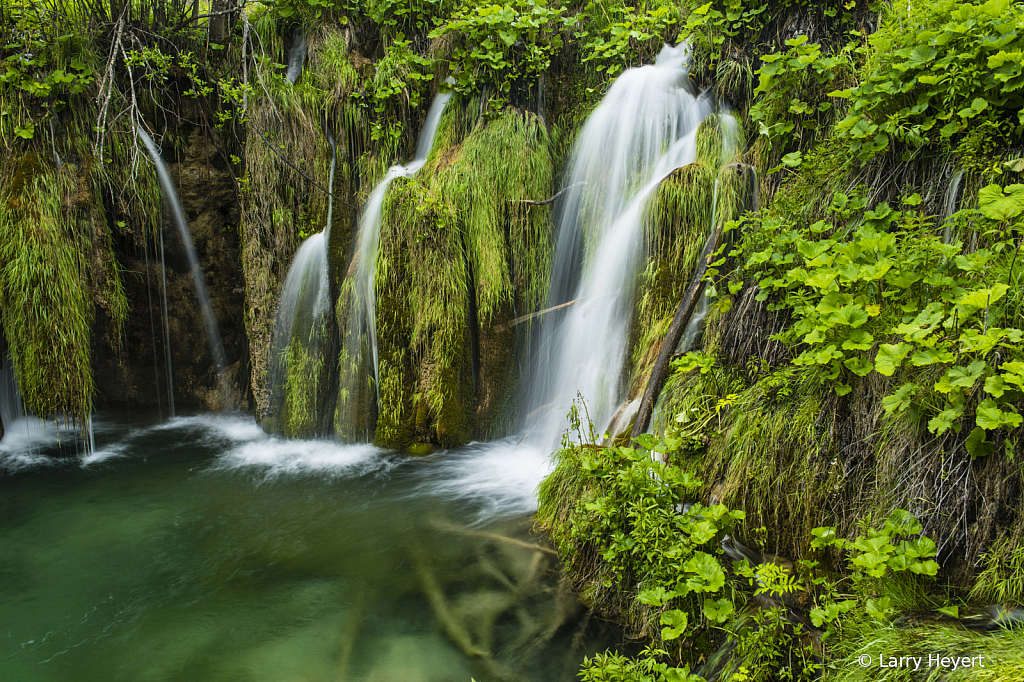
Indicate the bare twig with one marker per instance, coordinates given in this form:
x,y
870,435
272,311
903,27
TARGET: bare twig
x,y
299,171
107,88
530,202
182,24
530,316
486,535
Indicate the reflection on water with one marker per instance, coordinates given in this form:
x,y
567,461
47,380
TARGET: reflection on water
x,y
202,549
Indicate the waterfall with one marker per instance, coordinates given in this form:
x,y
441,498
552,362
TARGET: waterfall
x,y
730,146
296,57
167,326
949,205
364,305
303,313
11,407
643,129
24,434
210,320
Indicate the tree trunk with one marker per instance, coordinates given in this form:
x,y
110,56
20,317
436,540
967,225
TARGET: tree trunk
x,y
656,380
218,21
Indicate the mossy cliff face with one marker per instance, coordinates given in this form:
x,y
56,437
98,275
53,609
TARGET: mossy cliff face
x,y
206,189
46,290
463,245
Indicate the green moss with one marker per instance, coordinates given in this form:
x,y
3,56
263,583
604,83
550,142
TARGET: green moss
x,y
45,302
488,176
420,449
1002,653
303,392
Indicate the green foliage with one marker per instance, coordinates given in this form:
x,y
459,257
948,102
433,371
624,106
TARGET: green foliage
x,y
302,391
402,75
622,505
712,25
498,45
497,168
614,667
1001,579
625,32
936,69
880,551
876,291
792,86
45,305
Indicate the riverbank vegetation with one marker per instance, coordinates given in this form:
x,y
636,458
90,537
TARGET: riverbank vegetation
x,y
835,465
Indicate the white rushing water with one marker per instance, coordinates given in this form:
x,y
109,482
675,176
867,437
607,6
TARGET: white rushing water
x,y
644,128
949,205
209,319
364,305
303,311
296,57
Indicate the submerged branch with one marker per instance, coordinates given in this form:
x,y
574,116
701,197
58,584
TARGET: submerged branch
x,y
452,528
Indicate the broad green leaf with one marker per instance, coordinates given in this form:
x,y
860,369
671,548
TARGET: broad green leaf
x,y
706,573
859,366
945,420
793,159
858,340
982,298
995,386
924,567
902,522
1001,204
890,357
879,608
675,622
718,610
902,399
960,377
976,444
930,356
656,596
851,315
990,416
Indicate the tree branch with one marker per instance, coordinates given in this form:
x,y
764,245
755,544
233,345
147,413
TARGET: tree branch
x,y
297,170
530,202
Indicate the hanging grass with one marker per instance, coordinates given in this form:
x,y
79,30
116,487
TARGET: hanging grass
x,y
45,302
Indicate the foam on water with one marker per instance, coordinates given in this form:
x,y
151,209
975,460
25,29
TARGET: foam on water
x,y
231,427
27,441
281,457
501,476
103,454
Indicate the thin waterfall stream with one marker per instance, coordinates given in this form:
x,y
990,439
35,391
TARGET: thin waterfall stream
x,y
209,319
363,312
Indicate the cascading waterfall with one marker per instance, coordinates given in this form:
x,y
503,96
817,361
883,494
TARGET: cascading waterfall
x,y
303,314
949,205
11,408
363,310
644,128
296,57
730,145
209,319
25,434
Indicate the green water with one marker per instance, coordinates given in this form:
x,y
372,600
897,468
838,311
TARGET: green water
x,y
203,550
